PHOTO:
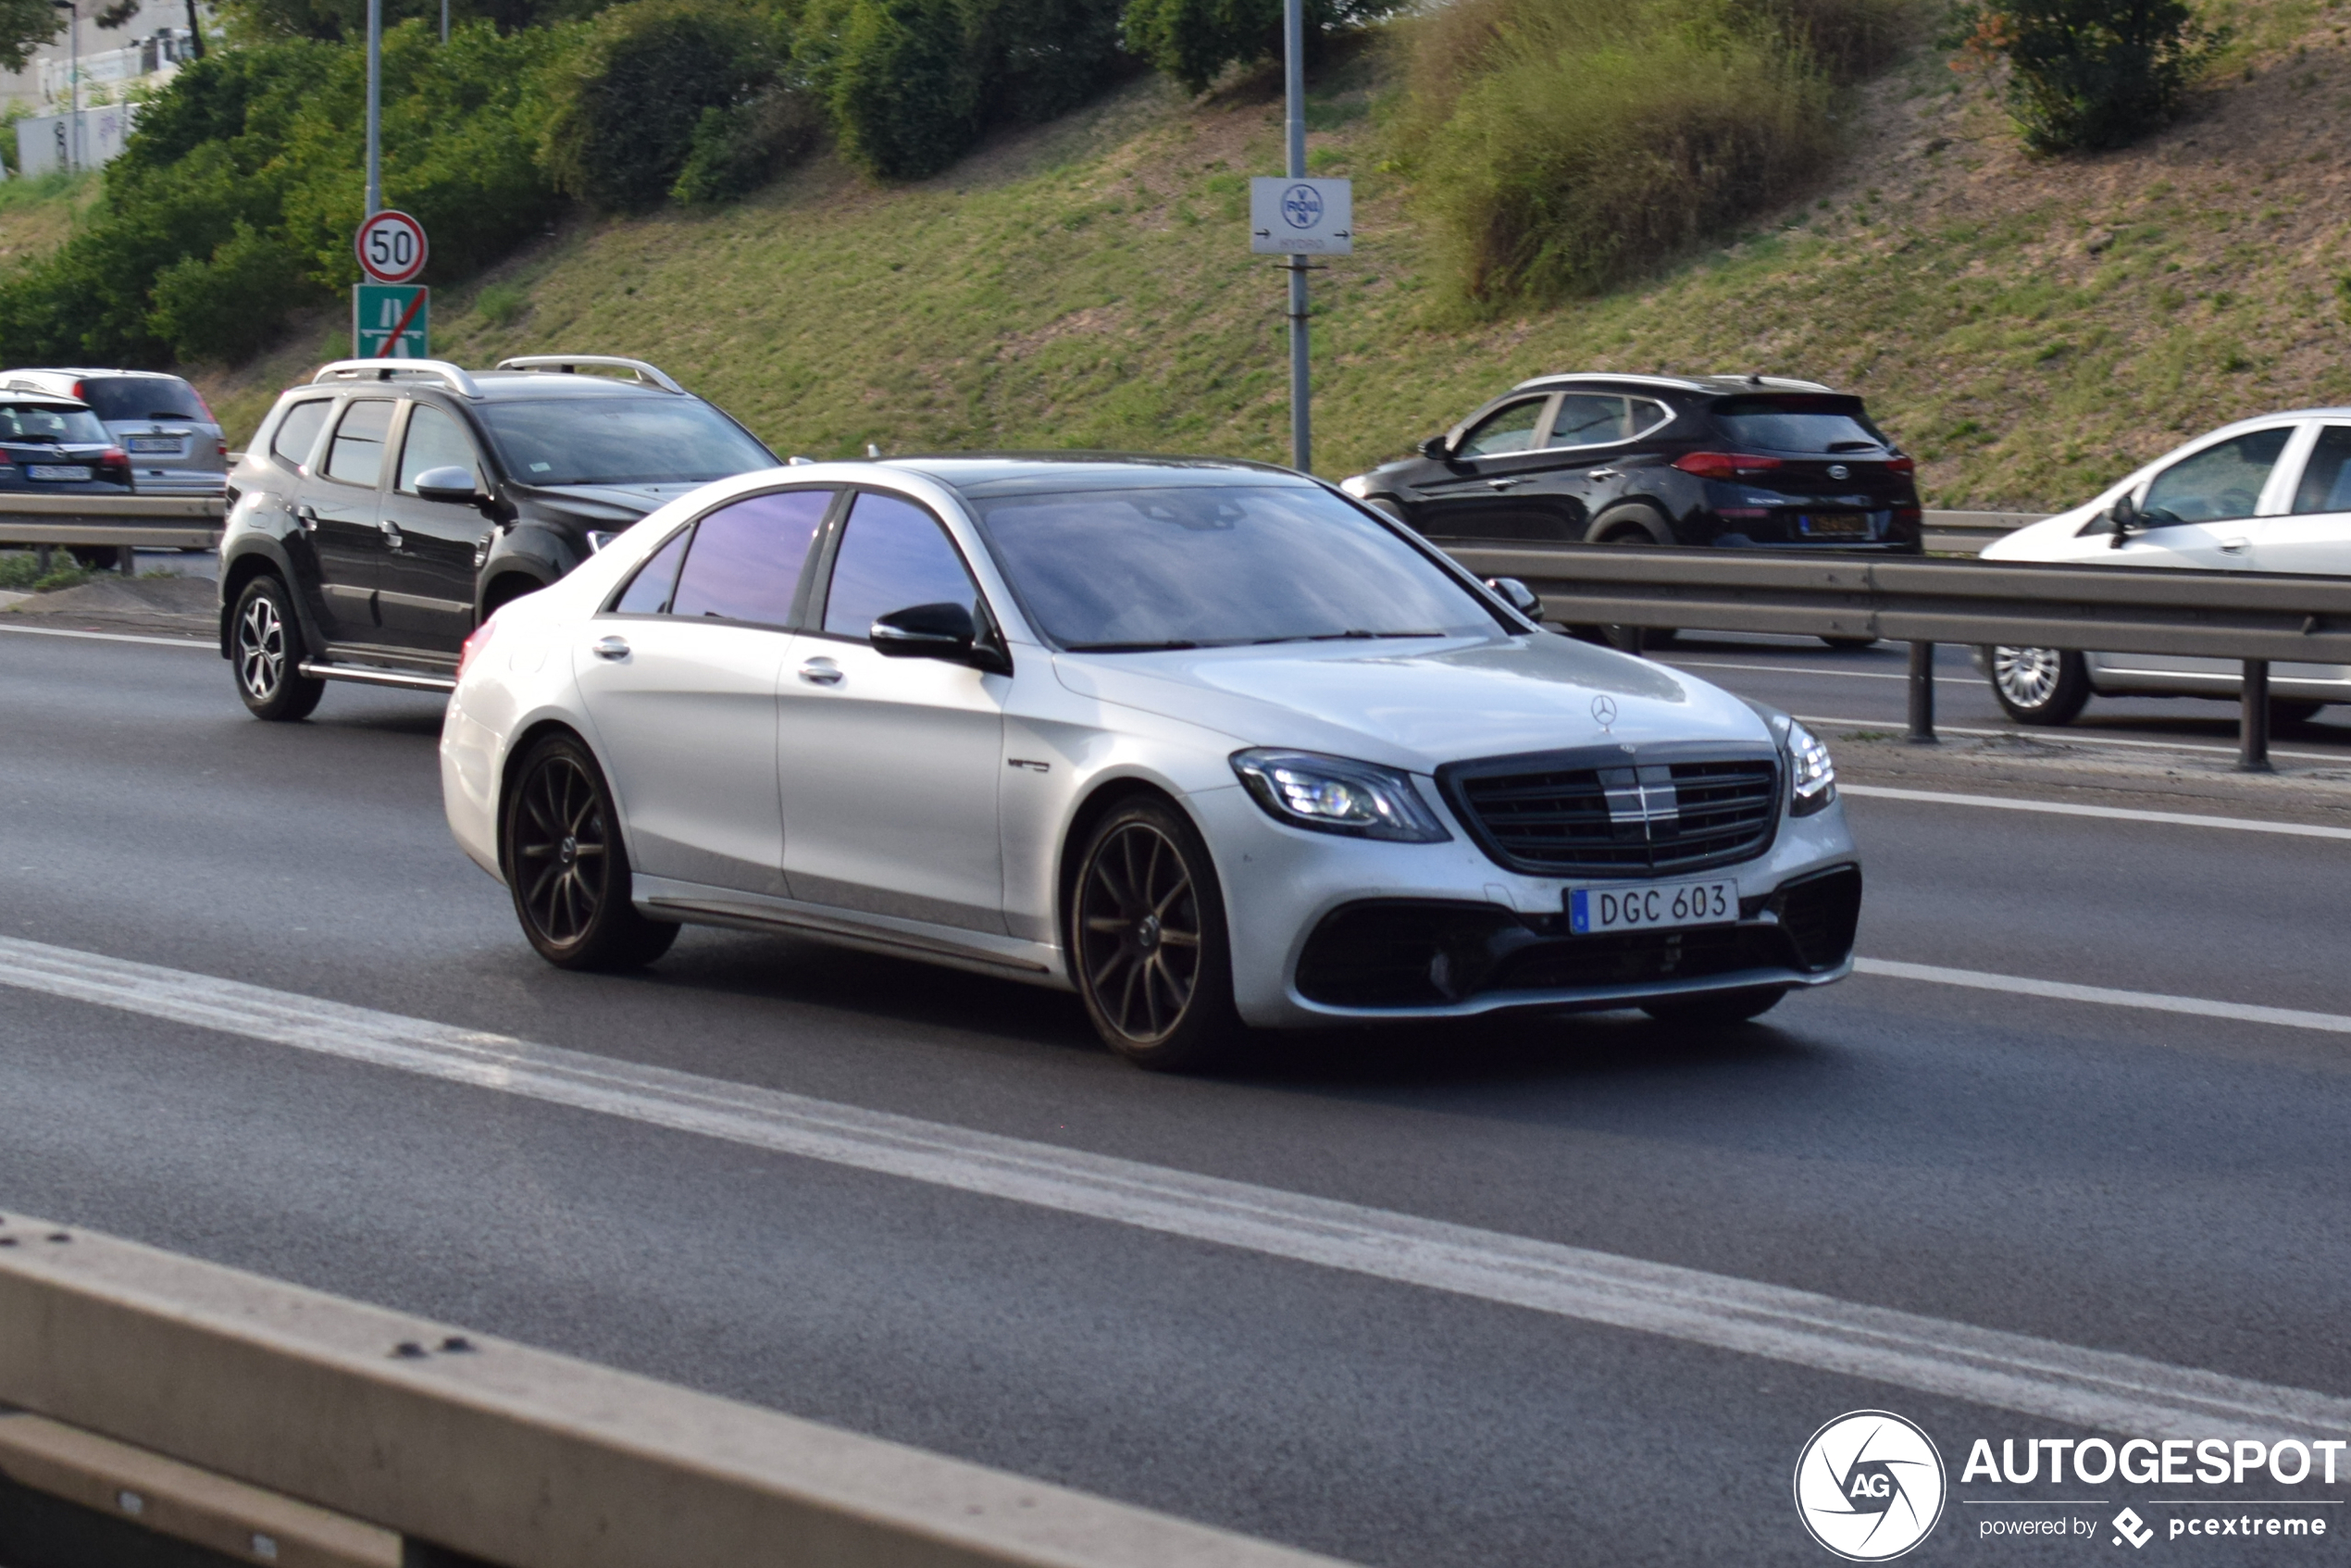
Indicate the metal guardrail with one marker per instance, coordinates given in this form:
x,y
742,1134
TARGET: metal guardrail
x,y
1966,533
124,522
2256,618
472,1449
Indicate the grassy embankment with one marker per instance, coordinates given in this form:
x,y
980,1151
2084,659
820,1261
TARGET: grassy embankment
x,y
2029,328
36,215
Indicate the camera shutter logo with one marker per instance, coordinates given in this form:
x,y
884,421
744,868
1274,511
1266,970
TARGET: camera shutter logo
x,y
1870,1485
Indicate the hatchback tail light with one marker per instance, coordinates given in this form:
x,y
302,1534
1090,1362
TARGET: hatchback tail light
x,y
1725,465
473,645
1902,464
115,457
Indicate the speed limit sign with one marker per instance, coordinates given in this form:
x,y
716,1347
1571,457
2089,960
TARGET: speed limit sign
x,y
392,247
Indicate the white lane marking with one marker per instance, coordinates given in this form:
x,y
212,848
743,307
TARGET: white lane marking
x,y
112,637
2117,814
2015,1372
2104,996
1798,670
2071,737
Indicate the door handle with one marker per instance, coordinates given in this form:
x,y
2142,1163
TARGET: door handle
x,y
820,672
308,515
611,648
1605,474
1501,484
2233,547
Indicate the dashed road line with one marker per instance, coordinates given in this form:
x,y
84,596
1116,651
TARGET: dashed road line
x,y
112,637
2115,814
2104,996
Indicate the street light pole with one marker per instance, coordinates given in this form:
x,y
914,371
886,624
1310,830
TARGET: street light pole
x,y
375,107
1301,430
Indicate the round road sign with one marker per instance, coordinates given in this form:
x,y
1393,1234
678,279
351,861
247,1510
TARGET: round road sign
x,y
391,247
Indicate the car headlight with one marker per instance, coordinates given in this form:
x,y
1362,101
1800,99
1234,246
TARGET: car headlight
x,y
1813,774
1357,485
1337,795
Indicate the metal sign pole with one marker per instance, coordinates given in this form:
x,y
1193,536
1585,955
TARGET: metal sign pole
x,y
375,107
1301,430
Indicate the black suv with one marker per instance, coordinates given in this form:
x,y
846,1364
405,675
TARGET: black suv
x,y
384,510
1703,460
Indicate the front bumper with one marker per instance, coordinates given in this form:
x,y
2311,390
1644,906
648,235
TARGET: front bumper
x,y
1306,910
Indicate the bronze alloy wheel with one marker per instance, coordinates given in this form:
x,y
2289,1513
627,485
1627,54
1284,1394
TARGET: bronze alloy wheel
x,y
1150,944
567,868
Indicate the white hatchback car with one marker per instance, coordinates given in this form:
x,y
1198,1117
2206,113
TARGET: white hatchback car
x,y
2271,494
1209,743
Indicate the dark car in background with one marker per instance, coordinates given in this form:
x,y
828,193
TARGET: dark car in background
x,y
161,421
56,446
1715,461
385,509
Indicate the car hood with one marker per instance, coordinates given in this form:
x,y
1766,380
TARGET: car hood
x,y
1419,704
620,503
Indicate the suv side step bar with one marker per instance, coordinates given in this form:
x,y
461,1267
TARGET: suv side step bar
x,y
368,676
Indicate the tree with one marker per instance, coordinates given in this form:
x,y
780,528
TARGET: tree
x,y
2088,74
25,25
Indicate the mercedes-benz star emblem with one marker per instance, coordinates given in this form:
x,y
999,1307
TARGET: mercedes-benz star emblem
x,y
1839,471
1604,711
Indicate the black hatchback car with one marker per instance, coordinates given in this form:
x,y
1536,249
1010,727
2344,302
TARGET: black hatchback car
x,y
57,446
384,510
1722,461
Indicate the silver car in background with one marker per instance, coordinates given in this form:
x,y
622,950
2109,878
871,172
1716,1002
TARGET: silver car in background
x,y
1210,743
176,445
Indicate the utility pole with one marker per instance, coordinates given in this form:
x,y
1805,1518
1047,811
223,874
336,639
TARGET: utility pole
x,y
374,108
445,21
1301,429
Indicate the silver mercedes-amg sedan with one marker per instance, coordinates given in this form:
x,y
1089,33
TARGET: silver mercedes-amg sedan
x,y
1208,742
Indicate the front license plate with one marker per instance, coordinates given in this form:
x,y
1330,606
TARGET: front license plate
x,y
1591,910
1834,524
155,444
56,471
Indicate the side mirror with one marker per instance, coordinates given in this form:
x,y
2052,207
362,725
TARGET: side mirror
x,y
1518,596
453,484
1437,448
937,632
2125,518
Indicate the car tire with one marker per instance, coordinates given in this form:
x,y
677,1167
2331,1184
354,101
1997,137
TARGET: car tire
x,y
1638,525
2038,685
266,651
560,843
1148,949
1718,1008
1850,644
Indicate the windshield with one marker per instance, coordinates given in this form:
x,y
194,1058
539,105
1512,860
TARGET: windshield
x,y
128,398
662,440
1118,570
33,421
1799,424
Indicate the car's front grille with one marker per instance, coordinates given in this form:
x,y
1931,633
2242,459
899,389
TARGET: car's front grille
x,y
1635,819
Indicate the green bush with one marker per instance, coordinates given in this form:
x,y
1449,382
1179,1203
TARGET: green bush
x,y
904,86
1194,40
1041,58
738,148
1558,148
2088,74
235,200
628,105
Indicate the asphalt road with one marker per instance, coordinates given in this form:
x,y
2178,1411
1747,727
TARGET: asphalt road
x,y
2107,1176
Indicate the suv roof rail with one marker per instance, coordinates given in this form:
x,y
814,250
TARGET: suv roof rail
x,y
651,375
385,369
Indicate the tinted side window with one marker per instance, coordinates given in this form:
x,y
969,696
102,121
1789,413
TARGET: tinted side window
x,y
2218,483
298,431
1585,419
435,440
893,556
648,591
1505,430
2326,480
744,562
357,454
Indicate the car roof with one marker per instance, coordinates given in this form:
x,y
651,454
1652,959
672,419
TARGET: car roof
x,y
1716,384
84,372
44,400
986,473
